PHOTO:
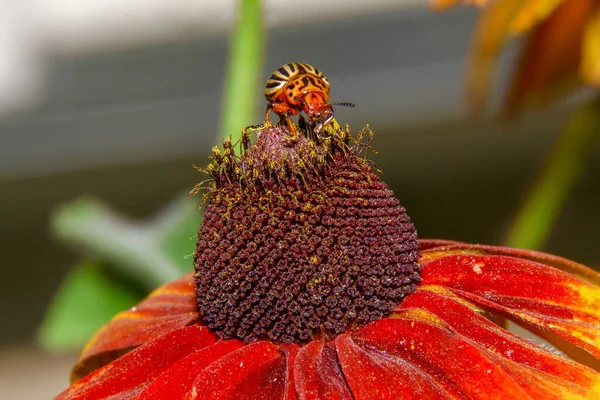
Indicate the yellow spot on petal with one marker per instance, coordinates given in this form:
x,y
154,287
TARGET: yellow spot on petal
x,y
588,299
595,391
419,314
477,268
434,255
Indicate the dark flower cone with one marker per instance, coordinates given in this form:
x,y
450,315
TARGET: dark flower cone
x,y
301,240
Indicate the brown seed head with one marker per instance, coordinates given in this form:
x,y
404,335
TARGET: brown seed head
x,y
301,240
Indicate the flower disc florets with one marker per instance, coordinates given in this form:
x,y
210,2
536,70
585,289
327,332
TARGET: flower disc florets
x,y
300,240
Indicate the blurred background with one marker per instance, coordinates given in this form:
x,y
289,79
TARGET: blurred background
x,y
115,101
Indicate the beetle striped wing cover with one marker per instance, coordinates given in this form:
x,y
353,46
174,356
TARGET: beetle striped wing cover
x,y
286,74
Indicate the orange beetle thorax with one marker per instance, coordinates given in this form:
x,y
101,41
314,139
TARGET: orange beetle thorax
x,y
306,91
316,105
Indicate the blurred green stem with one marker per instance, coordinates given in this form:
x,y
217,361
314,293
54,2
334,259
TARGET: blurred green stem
x,y
244,70
547,196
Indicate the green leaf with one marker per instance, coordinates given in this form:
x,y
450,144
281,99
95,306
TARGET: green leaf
x,y
131,248
87,299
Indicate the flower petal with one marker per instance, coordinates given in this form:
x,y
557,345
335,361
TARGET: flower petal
x,y
318,375
544,386
179,378
519,357
531,12
590,63
548,64
551,260
291,351
167,308
439,5
487,41
256,371
377,377
540,295
453,363
127,376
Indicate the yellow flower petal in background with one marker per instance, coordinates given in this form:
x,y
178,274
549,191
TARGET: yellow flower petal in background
x,y
489,37
590,63
532,12
549,61
438,5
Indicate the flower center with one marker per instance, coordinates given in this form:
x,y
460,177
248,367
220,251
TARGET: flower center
x,y
300,240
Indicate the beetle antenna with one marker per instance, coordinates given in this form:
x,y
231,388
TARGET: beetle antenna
x,y
345,104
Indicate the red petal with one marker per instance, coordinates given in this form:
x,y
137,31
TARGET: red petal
x,y
544,386
449,360
127,376
291,351
542,296
561,263
171,306
179,378
509,348
256,371
374,376
318,375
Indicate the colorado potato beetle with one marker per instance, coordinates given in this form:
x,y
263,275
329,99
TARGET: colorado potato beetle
x,y
298,87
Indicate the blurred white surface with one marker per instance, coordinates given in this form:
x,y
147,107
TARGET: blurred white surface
x,y
31,30
147,102
91,25
27,373
22,65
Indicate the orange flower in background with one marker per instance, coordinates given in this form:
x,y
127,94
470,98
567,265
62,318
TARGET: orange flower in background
x,y
309,284
561,49
443,4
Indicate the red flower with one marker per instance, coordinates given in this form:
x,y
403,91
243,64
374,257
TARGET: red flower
x,y
444,340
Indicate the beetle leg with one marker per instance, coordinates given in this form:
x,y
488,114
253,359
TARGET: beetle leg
x,y
305,128
292,127
267,122
258,128
323,123
246,132
245,140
